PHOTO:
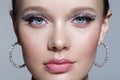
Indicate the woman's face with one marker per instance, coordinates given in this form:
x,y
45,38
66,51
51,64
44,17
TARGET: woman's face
x,y
59,37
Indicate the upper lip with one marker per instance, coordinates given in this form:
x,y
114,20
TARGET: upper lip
x,y
59,61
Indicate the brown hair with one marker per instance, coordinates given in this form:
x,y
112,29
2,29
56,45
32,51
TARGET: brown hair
x,y
105,2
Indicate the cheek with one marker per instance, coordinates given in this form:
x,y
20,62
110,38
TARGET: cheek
x,y
85,44
34,46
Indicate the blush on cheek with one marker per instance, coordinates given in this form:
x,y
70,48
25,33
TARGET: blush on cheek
x,y
88,57
29,49
89,47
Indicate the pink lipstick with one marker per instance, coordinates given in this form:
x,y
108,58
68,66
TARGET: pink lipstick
x,y
58,65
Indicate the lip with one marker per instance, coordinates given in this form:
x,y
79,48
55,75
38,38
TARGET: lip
x,y
58,65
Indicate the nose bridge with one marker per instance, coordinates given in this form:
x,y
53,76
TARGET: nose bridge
x,y
59,32
59,39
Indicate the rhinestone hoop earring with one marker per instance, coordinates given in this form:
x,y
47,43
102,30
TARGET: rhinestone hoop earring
x,y
11,51
106,56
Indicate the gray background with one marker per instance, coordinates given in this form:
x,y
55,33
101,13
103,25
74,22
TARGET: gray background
x,y
111,71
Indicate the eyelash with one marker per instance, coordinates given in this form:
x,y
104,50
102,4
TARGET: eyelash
x,y
83,19
35,20
79,19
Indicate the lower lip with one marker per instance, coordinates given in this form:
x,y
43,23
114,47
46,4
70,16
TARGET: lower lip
x,y
59,68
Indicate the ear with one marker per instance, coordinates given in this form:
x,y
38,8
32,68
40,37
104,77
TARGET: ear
x,y
105,27
14,24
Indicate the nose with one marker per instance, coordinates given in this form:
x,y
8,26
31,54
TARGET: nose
x,y
59,41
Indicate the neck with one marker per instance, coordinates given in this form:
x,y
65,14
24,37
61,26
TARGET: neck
x,y
86,78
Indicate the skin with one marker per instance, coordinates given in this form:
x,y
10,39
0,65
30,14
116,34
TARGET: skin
x,y
59,36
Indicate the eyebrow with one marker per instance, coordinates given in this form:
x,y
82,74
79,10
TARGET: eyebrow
x,y
84,8
38,9
35,8
42,9
45,10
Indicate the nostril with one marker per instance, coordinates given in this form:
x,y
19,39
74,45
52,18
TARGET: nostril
x,y
59,44
59,48
66,48
54,49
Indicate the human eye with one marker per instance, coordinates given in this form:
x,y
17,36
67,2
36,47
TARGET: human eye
x,y
83,19
35,20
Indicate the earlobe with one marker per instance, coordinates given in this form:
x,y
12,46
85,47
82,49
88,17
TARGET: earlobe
x,y
105,27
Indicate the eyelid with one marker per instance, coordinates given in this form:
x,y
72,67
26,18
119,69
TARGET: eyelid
x,y
32,18
83,14
29,16
44,16
86,18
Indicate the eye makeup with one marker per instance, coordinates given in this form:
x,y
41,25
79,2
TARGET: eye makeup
x,y
35,19
87,16
78,18
32,15
82,18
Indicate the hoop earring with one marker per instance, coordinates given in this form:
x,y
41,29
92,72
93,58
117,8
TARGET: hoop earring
x,y
11,51
106,56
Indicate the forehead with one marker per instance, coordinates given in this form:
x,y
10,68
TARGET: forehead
x,y
62,5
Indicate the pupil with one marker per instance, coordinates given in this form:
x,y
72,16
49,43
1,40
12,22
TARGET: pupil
x,y
80,20
38,20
